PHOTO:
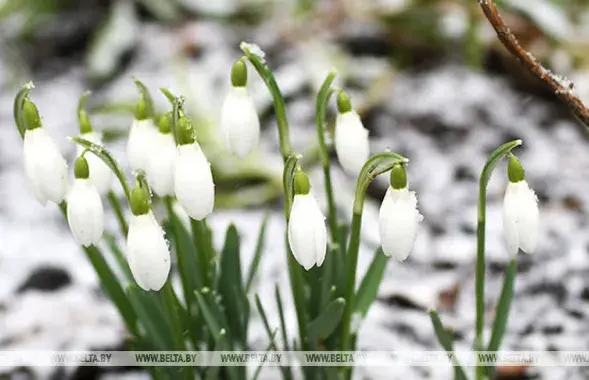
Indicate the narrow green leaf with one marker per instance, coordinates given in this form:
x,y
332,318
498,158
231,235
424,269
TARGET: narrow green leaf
x,y
212,316
283,330
255,263
119,256
18,106
503,307
151,317
200,242
445,340
185,253
368,289
286,373
118,210
270,346
327,321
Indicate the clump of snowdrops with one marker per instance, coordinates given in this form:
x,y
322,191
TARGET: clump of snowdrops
x,y
210,308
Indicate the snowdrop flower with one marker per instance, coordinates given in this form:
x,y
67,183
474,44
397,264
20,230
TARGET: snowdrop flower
x,y
399,217
160,171
307,234
520,211
45,168
193,180
141,138
240,125
147,250
85,214
100,174
351,138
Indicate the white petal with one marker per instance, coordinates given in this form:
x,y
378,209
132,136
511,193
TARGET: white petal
x,y
85,213
520,217
240,125
398,221
161,168
351,142
510,218
45,167
100,174
148,252
193,182
307,234
140,143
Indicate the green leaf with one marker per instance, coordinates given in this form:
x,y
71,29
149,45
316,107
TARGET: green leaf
x,y
118,210
151,317
255,263
327,321
283,330
286,373
230,285
212,316
185,253
119,256
445,340
368,289
503,307
19,99
270,346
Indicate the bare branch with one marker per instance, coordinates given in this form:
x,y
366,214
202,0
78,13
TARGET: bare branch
x,y
561,86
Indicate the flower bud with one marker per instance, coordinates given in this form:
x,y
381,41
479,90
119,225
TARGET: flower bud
x,y
163,159
520,211
351,138
85,214
193,181
240,126
147,251
307,234
45,168
398,217
139,201
141,143
100,174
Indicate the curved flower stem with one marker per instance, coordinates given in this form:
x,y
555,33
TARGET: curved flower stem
x,y
279,106
18,106
369,171
103,153
322,100
490,165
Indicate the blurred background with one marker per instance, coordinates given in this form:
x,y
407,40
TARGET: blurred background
x,y
430,80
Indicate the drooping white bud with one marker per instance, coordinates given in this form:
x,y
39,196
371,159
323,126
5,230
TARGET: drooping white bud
x,y
45,168
307,234
147,252
193,181
351,138
520,217
85,214
398,217
141,143
240,125
161,168
100,174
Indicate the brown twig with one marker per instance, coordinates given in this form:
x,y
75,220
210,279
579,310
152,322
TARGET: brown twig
x,y
561,86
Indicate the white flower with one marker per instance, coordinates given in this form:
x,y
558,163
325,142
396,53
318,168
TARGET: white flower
x,y
85,214
307,235
45,168
100,174
240,125
140,143
193,181
397,221
148,252
160,171
520,217
351,142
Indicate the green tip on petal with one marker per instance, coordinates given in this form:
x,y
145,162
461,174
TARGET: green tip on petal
x,y
81,169
165,123
239,74
398,177
185,131
301,183
343,102
515,170
31,116
139,201
142,109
